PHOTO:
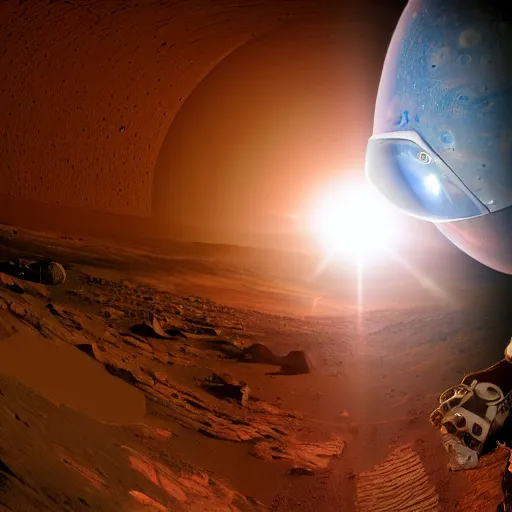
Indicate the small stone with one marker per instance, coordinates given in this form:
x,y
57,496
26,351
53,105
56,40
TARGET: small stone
x,y
10,283
244,394
113,313
160,377
17,309
206,331
91,349
301,472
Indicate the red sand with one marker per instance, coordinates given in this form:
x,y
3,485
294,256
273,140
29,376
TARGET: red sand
x,y
360,414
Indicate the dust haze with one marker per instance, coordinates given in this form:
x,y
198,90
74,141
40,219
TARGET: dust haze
x,y
203,351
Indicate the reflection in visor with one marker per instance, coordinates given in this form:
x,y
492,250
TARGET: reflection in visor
x,y
417,181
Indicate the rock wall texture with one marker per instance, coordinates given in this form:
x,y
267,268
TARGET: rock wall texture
x,y
89,90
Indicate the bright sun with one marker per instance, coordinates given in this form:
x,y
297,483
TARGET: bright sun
x,y
351,219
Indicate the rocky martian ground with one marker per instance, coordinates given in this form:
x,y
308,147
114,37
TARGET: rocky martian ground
x,y
99,412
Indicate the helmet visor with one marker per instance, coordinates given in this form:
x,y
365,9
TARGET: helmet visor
x,y
416,180
486,239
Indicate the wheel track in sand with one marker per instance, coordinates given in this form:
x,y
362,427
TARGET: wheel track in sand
x,y
399,484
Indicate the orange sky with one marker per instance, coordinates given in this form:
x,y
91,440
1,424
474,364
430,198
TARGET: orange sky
x,y
221,116
274,120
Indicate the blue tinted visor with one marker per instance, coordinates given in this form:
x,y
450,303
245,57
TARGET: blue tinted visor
x,y
416,180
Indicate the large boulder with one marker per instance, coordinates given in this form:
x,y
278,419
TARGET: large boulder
x,y
48,272
259,353
295,363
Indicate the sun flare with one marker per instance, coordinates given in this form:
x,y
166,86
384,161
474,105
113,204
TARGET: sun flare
x,y
351,219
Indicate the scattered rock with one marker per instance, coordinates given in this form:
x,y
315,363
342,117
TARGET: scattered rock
x,y
303,454
153,329
161,357
17,309
122,373
30,318
295,363
97,280
160,377
6,280
66,316
110,336
263,451
227,347
91,349
143,378
129,375
301,472
191,489
138,344
55,310
259,353
204,321
36,290
226,387
255,503
206,331
10,283
113,313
